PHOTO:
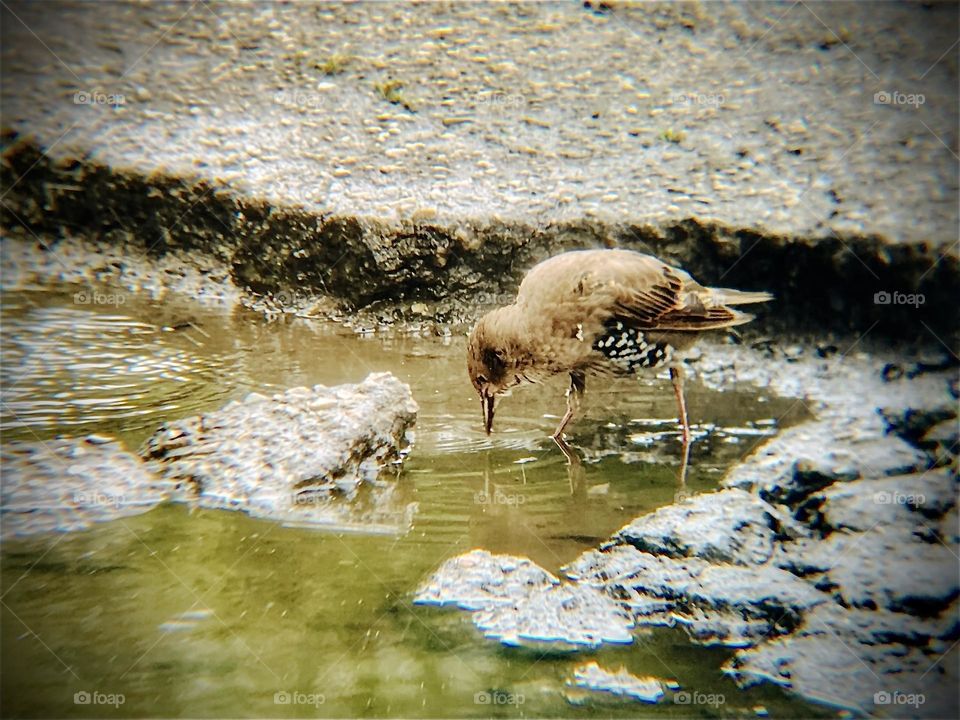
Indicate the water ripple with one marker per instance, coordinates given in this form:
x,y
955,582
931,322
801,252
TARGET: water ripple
x,y
68,367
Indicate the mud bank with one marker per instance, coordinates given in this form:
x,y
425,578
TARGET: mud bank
x,y
301,257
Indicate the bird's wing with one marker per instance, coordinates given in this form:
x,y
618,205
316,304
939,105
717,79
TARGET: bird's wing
x,y
669,299
638,289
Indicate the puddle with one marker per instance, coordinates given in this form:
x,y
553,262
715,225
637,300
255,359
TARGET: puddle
x,y
204,613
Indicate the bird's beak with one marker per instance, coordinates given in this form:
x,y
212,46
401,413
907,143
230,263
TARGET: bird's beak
x,y
486,405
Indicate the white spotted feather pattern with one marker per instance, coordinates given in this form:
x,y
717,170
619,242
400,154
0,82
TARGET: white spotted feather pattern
x,y
627,349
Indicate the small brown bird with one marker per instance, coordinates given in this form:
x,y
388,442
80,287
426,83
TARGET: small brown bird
x,y
610,312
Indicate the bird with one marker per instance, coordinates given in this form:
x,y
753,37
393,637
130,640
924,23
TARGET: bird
x,y
607,312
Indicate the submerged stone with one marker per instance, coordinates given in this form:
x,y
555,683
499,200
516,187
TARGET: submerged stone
x,y
888,662
621,683
728,526
309,456
561,615
808,458
69,484
296,455
722,603
479,580
519,603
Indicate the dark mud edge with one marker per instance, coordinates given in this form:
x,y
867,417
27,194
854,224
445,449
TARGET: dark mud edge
x,y
822,283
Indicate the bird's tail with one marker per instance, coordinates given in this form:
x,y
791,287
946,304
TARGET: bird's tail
x,y
726,296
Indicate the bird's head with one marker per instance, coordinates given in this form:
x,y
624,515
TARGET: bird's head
x,y
490,364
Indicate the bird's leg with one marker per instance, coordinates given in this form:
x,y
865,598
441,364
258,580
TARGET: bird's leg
x,y
578,382
682,473
568,452
576,476
676,375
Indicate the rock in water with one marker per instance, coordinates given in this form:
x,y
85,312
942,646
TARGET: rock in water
x,y
517,602
621,683
731,526
290,456
70,483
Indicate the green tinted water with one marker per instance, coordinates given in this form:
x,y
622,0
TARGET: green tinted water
x,y
203,613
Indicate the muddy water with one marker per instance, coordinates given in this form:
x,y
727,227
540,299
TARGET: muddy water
x,y
203,613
